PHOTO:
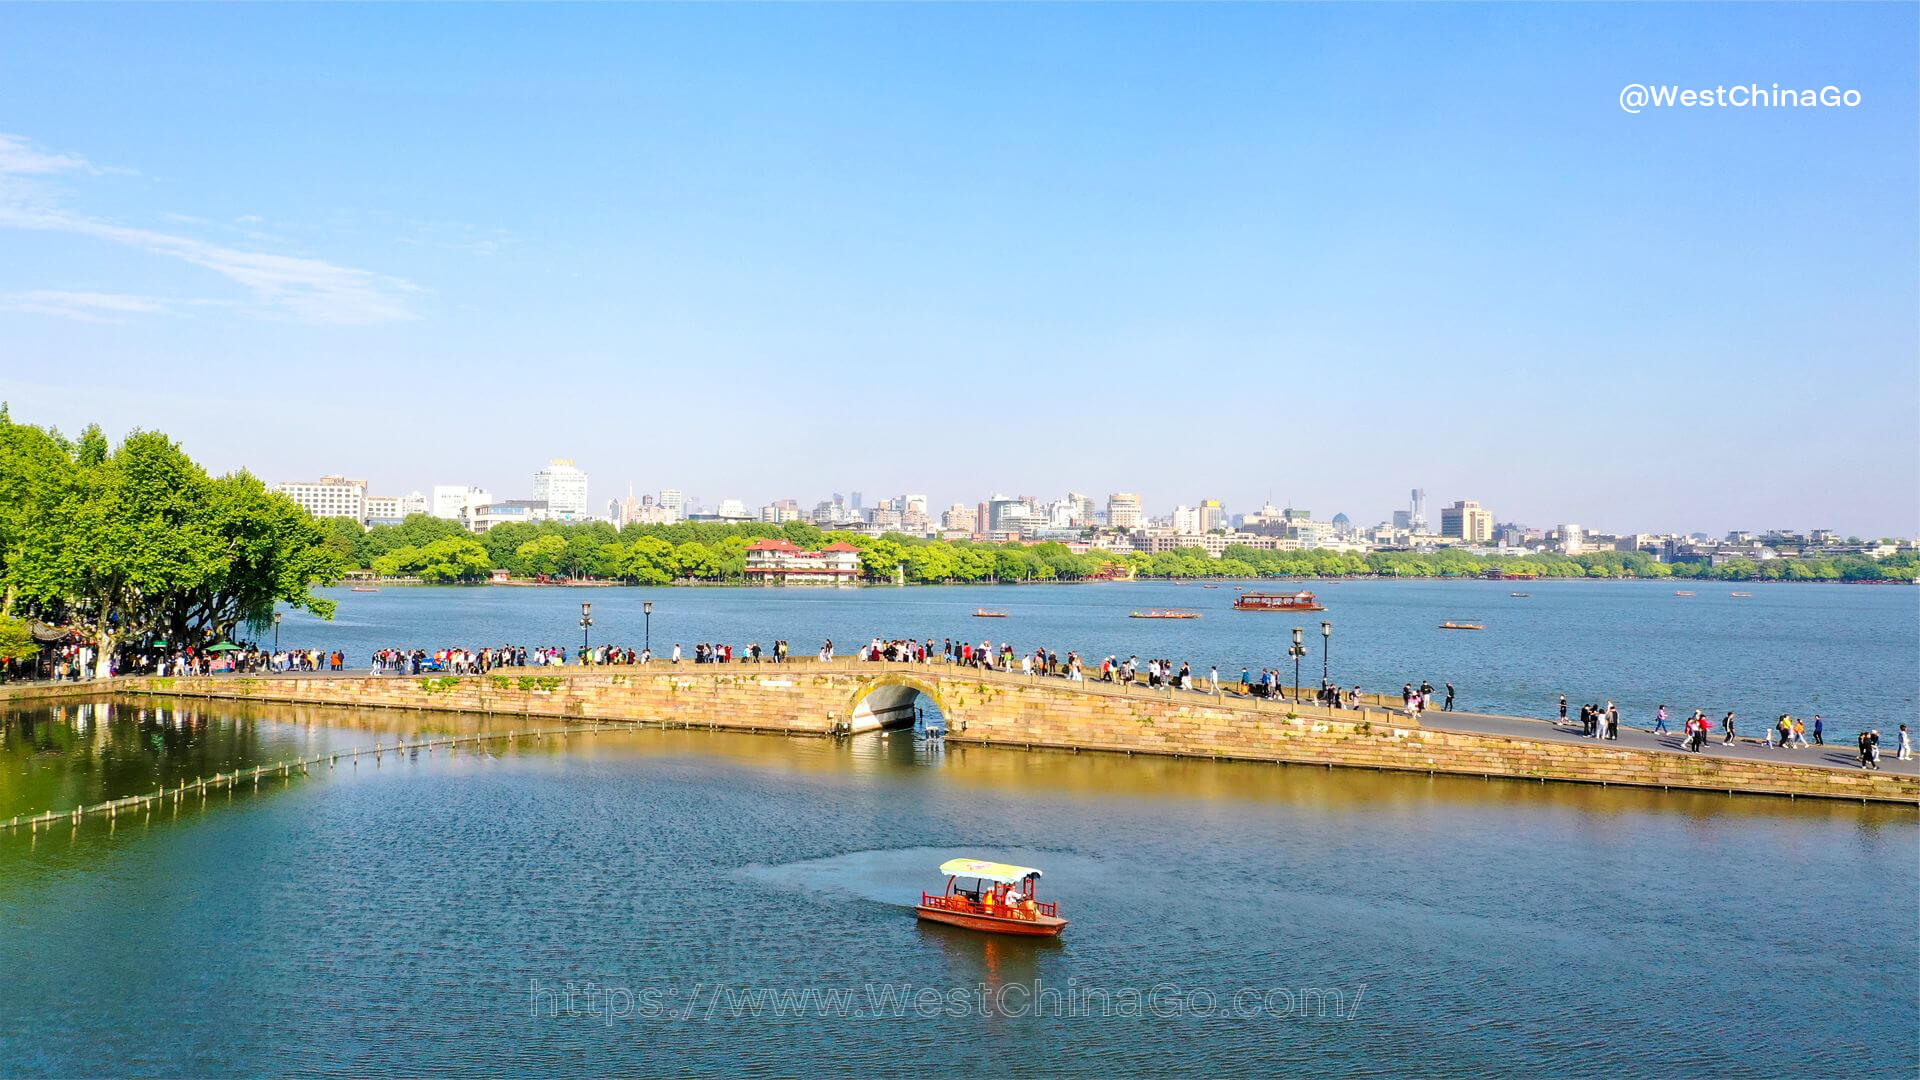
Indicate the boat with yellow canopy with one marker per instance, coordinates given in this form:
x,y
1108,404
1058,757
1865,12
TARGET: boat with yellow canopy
x,y
998,898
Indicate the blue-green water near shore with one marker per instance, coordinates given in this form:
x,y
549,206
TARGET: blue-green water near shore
x,y
747,897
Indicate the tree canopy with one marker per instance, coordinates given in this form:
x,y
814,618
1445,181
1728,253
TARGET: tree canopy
x,y
138,543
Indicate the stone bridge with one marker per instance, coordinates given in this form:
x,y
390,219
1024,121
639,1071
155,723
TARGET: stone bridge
x,y
1009,709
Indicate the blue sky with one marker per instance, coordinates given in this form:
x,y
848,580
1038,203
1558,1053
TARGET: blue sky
x,y
1320,253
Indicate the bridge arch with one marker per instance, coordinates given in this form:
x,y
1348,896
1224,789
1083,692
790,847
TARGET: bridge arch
x,y
889,700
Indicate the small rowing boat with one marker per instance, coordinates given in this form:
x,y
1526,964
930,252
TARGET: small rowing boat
x,y
1743,594
983,613
1164,615
1461,626
1521,595
365,588
1681,592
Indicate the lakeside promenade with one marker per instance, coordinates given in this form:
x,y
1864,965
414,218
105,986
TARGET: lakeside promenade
x,y
987,707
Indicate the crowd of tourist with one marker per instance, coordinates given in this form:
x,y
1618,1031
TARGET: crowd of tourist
x,y
1600,722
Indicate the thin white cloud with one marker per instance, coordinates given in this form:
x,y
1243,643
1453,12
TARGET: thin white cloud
x,y
286,286
94,307
19,157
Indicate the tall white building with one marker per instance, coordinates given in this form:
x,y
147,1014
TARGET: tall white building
x,y
673,504
413,502
456,501
330,497
563,487
1123,510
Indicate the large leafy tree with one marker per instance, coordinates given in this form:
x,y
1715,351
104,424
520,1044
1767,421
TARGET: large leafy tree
x,y
142,543
455,559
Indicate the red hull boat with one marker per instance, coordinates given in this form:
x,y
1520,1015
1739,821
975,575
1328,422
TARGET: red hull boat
x,y
1001,900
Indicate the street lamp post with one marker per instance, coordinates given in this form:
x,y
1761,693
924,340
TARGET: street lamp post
x,y
1326,640
647,610
586,620
1299,650
276,631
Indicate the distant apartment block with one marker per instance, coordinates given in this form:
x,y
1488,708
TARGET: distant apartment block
x,y
455,501
1123,510
330,497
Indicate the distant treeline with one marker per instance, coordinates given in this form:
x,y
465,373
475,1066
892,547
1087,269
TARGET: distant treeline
x,y
441,551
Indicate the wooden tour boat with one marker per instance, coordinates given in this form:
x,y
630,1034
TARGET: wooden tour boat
x,y
1000,901
1260,601
1461,626
1156,614
983,613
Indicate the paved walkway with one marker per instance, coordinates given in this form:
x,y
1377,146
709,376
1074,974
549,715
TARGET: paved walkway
x,y
1840,753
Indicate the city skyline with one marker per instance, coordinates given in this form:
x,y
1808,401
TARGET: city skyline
x,y
1419,513
1298,253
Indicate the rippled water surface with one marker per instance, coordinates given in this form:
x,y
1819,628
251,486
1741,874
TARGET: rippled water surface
x,y
428,913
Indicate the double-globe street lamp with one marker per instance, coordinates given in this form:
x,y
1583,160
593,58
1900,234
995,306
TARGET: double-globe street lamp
x,y
1326,640
586,620
1298,650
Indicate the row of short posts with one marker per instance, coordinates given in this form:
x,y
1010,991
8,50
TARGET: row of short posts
x,y
112,807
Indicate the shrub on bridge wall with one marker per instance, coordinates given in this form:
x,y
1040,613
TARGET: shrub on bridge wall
x,y
444,684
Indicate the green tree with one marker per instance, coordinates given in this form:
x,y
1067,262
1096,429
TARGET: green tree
x,y
145,543
541,556
455,559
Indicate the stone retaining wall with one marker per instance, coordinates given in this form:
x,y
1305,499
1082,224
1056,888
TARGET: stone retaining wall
x,y
993,708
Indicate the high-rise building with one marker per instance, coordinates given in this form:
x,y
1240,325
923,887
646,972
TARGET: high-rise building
x,y
913,504
1417,510
1186,521
1212,515
563,487
958,516
453,501
1006,514
1467,520
673,504
1123,510
854,504
330,497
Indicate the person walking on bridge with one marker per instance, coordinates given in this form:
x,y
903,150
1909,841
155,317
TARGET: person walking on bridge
x,y
1448,707
1660,720
1728,723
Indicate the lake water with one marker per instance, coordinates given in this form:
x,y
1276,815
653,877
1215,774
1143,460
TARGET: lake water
x,y
1849,652
428,913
